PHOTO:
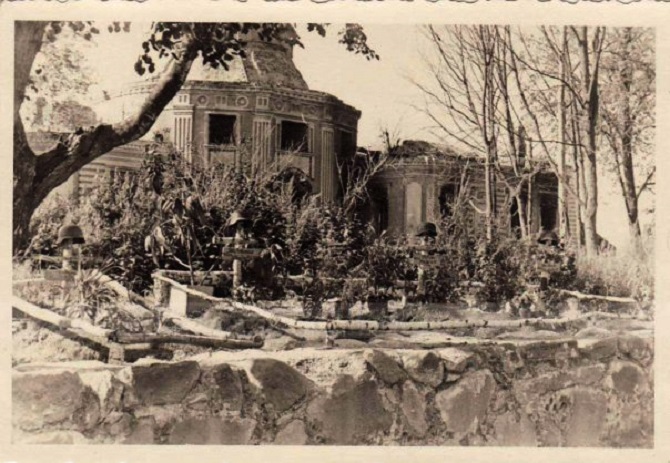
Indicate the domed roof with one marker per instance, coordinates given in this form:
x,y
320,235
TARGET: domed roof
x,y
266,64
205,73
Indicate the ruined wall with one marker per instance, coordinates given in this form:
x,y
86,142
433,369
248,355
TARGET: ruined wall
x,y
596,393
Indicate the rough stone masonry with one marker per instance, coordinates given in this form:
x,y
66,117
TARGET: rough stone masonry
x,y
591,393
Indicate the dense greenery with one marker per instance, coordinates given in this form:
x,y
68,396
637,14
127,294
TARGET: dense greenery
x,y
172,215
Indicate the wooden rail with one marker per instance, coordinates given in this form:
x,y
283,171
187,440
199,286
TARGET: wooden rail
x,y
119,342
79,328
578,295
374,325
204,341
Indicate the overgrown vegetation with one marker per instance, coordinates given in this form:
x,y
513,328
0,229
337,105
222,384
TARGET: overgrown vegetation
x,y
172,215
628,273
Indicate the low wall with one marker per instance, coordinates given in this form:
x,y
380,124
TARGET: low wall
x,y
596,392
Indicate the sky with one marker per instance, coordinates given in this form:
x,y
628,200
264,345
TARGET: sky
x,y
382,89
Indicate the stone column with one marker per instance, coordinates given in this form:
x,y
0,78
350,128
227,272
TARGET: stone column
x,y
328,167
261,142
183,131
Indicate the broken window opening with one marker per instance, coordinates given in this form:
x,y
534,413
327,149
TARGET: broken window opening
x,y
447,200
294,137
222,129
347,144
380,209
548,211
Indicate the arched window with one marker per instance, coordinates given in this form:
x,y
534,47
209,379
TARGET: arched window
x,y
447,199
413,207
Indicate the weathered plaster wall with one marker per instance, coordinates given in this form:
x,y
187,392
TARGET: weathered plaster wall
x,y
598,393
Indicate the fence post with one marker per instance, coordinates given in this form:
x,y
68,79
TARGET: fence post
x,y
161,290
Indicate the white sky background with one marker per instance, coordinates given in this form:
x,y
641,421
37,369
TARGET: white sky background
x,y
380,89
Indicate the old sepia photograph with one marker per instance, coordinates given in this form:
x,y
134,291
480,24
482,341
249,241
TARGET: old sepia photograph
x,y
333,234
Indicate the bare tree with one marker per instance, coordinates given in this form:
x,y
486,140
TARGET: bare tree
x,y
473,99
628,99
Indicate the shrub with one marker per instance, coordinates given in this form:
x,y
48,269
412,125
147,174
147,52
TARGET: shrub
x,y
46,221
625,273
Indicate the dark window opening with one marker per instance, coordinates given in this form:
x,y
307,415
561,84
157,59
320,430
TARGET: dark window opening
x,y
548,211
347,144
294,137
380,208
221,129
447,199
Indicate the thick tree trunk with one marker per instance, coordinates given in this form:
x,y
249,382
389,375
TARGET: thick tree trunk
x,y
626,165
28,42
591,107
488,187
522,212
579,174
36,176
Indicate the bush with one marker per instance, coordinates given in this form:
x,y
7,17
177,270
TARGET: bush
x,y
626,273
46,221
170,215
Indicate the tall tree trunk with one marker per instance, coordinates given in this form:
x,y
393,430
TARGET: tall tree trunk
x,y
577,160
522,213
626,164
563,226
591,106
28,42
490,135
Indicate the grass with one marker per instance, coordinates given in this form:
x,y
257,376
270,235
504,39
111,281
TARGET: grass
x,y
625,273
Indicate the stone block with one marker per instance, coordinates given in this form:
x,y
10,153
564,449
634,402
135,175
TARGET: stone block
x,y
386,368
225,385
106,386
542,351
350,344
53,398
512,429
281,343
292,434
213,431
353,413
424,367
626,378
142,433
587,418
630,423
599,348
413,407
117,424
164,383
593,332
635,347
456,360
463,406
282,385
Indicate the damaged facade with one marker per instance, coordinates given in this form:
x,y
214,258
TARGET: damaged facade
x,y
425,183
260,114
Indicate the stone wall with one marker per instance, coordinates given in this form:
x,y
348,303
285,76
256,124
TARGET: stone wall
x,y
593,393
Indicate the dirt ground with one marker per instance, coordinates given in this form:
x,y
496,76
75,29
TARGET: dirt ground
x,y
32,342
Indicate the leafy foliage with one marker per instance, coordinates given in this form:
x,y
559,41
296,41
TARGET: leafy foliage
x,y
172,215
219,43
